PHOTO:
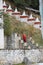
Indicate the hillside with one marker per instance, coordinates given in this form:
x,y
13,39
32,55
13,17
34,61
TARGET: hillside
x,y
11,25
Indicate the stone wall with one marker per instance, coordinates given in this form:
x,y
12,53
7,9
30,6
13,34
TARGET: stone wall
x,y
17,56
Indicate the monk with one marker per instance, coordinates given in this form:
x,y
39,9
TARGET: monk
x,y
24,37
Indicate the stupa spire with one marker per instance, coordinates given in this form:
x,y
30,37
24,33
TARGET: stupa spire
x,y
10,7
24,13
16,10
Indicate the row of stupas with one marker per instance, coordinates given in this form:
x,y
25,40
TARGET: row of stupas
x,y
22,17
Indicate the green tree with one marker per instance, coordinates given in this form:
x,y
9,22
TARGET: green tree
x,y
23,3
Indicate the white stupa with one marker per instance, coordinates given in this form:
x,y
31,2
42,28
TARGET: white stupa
x,y
4,7
1,27
23,17
24,14
9,10
2,38
16,13
1,21
1,34
37,23
1,6
30,20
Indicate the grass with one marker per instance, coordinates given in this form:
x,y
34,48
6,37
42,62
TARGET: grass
x,y
38,38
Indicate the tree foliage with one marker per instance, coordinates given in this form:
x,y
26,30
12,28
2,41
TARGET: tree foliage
x,y
7,25
29,3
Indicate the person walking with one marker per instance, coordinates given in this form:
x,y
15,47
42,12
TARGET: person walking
x,y
24,37
24,40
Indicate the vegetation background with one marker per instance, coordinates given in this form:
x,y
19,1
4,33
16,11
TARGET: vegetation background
x,y
25,3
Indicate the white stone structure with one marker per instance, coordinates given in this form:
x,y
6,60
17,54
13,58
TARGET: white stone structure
x,y
16,44
1,6
37,23
23,17
4,7
16,13
1,28
30,20
9,10
1,38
